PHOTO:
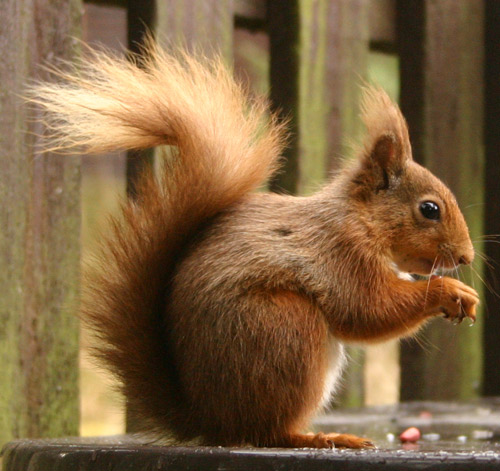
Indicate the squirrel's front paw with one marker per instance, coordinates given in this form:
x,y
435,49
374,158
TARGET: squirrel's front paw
x,y
457,300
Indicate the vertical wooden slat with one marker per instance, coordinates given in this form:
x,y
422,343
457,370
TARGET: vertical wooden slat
x,y
441,96
13,207
345,53
382,366
284,39
202,25
319,55
39,240
141,18
251,9
491,370
383,25
410,25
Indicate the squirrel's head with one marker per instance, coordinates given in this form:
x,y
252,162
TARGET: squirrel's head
x,y
412,213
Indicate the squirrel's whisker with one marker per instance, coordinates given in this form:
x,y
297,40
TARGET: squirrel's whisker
x,y
485,283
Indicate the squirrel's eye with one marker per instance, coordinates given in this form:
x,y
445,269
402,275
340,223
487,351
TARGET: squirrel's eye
x,y
430,210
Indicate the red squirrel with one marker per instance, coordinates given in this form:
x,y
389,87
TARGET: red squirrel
x,y
222,311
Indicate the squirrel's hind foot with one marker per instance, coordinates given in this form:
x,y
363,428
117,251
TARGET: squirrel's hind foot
x,y
328,440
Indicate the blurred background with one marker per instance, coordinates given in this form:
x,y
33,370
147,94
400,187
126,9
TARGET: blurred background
x,y
440,59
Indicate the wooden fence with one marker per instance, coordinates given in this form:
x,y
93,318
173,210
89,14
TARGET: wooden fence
x,y
319,54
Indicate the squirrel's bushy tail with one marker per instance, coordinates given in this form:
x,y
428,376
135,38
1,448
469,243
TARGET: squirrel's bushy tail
x,y
227,145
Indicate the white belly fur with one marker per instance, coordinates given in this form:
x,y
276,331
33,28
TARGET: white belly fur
x,y
336,359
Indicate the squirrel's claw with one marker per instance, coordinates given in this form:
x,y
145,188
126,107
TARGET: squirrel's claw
x,y
461,303
459,318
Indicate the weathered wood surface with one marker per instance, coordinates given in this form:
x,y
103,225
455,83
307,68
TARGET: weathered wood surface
x,y
39,236
451,439
255,9
117,3
441,53
383,24
141,19
319,55
284,80
55,455
202,25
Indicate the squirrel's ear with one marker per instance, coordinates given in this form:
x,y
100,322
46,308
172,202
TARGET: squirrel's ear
x,y
387,147
385,150
388,154
381,165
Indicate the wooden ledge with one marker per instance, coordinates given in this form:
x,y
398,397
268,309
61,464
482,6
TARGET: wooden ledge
x,y
459,437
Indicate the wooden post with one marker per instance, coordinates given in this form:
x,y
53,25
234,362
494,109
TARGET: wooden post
x,y
201,25
39,236
284,69
141,17
491,371
441,56
319,56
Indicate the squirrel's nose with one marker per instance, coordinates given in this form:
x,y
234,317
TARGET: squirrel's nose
x,y
466,258
465,254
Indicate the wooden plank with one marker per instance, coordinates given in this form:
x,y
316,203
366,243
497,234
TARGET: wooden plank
x,y
441,95
202,25
141,18
337,66
382,24
411,37
410,24
319,55
133,453
250,14
284,70
251,9
39,241
104,25
491,372
116,3
382,366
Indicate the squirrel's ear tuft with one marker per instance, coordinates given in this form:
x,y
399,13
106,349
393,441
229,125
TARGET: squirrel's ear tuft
x,y
387,142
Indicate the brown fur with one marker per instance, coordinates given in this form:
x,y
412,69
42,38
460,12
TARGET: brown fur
x,y
222,311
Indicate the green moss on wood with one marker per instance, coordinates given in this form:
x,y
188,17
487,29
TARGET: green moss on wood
x,y
39,241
